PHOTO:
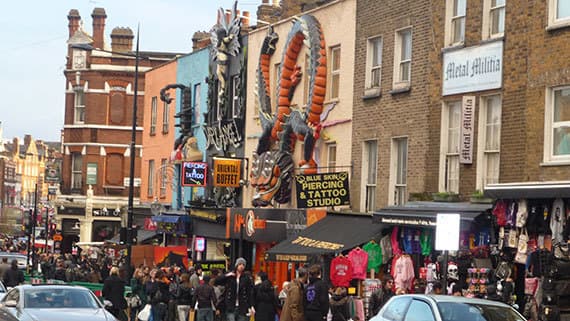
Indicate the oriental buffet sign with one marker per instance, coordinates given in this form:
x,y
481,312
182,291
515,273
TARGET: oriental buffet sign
x,y
322,190
308,242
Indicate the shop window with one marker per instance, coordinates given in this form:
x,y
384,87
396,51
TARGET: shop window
x,y
79,106
398,171
558,13
557,125
402,58
493,18
449,150
455,11
369,173
150,189
334,72
197,102
165,117
489,141
153,111
76,171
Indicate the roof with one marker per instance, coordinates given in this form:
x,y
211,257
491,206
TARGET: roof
x,y
551,189
456,299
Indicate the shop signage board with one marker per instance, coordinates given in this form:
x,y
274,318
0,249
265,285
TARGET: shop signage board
x,y
466,135
263,224
194,174
227,172
53,172
208,266
200,245
322,190
472,69
447,232
91,174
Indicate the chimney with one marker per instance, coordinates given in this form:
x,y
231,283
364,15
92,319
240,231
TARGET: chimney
x,y
27,140
200,39
122,39
73,17
245,20
99,17
269,12
16,147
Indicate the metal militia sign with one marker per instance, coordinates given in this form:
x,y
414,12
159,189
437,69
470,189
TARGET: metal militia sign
x,y
466,139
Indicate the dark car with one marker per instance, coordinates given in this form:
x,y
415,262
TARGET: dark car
x,y
52,303
445,308
21,258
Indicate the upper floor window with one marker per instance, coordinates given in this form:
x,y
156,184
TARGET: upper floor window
x,y
163,177
335,72
150,188
493,18
331,158
455,22
165,117
235,96
153,111
399,171
557,125
76,171
369,173
197,102
449,158
558,13
489,149
403,58
374,63
79,105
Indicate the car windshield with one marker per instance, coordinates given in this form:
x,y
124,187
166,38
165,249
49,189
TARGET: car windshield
x,y
59,299
455,311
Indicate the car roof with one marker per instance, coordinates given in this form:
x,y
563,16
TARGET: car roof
x,y
455,299
52,286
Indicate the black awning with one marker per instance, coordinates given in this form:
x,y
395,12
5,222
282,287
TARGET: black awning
x,y
332,234
142,236
208,229
424,214
528,190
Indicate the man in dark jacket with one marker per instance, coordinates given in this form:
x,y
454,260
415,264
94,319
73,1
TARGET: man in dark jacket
x,y
113,291
13,276
316,296
205,299
238,293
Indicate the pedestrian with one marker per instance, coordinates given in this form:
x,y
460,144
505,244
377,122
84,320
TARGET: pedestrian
x,y
339,305
185,297
13,276
266,301
114,291
195,277
293,306
158,295
4,266
388,292
283,293
238,292
205,298
138,289
316,296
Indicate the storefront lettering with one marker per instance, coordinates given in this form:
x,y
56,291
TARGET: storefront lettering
x,y
240,221
222,135
466,143
401,221
305,241
290,257
479,66
322,190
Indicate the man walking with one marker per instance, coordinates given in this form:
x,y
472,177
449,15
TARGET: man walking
x,y
293,307
316,296
205,299
238,293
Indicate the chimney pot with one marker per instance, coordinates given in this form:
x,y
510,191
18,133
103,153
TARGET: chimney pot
x,y
73,17
99,17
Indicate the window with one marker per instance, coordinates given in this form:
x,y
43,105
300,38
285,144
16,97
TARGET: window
x,y
335,72
76,171
165,117
163,178
419,311
235,96
79,106
150,191
369,173
398,171
493,18
403,58
331,158
449,159
153,111
557,125
374,63
455,22
114,169
197,102
558,12
395,311
489,141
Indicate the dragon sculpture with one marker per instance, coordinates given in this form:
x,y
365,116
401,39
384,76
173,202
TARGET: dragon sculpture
x,y
272,165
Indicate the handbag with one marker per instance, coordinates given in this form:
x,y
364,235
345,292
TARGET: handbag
x,y
512,240
144,314
522,248
562,251
503,270
191,315
133,301
530,286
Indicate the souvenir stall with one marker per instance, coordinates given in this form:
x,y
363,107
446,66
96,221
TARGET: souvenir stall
x,y
533,231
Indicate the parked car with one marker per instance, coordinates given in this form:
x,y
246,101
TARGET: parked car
x,y
412,307
47,302
21,258
2,290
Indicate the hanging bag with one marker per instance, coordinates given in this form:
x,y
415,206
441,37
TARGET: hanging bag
x,y
512,240
522,248
522,214
530,286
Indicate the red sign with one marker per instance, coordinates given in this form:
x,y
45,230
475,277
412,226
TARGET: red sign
x,y
149,224
170,255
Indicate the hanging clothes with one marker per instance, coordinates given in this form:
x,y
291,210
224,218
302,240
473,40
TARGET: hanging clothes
x,y
359,260
557,220
394,241
374,255
403,272
386,247
341,271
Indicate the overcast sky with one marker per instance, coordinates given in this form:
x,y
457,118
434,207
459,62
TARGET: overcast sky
x,y
33,49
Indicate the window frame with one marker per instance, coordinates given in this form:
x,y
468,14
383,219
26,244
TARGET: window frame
x,y
444,177
331,161
549,158
368,189
165,117
163,177
151,174
397,81
197,101
79,105
449,18
153,116
76,173
487,28
235,96
420,302
334,73
396,166
482,152
371,42
553,21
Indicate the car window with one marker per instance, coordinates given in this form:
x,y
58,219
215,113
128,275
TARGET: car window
x,y
14,295
455,311
419,311
396,308
59,299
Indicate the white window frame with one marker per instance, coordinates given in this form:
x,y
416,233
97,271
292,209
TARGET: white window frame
x,y
483,153
150,189
331,157
197,102
444,179
373,72
487,27
553,20
235,96
334,73
369,170
397,190
79,105
398,81
153,111
449,18
76,173
549,126
165,117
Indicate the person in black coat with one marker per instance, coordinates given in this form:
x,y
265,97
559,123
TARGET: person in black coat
x,y
243,295
114,291
339,305
266,301
13,276
316,296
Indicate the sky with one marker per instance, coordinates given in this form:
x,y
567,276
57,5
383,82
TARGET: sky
x,y
33,49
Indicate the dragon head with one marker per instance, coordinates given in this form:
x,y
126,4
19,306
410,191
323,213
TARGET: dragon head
x,y
271,176
269,42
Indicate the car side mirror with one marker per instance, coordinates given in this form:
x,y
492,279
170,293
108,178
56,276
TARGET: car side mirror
x,y
10,303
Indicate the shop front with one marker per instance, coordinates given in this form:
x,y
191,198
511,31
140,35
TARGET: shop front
x,y
210,247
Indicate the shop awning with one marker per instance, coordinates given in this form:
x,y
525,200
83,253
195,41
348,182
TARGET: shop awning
x,y
332,234
528,190
142,235
167,218
424,214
